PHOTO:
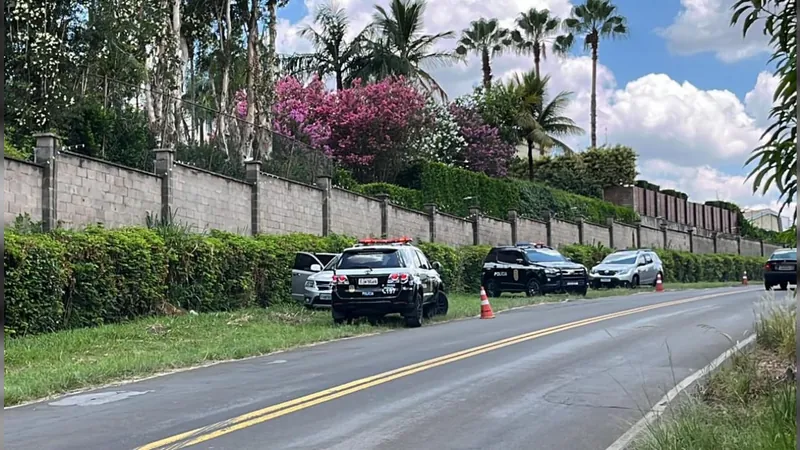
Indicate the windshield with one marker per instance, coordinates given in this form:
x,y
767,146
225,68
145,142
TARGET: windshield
x,y
369,259
790,254
332,263
624,259
540,256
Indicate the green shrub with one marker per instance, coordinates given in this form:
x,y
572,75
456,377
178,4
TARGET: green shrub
x,y
450,259
472,258
36,273
117,275
11,151
455,190
409,198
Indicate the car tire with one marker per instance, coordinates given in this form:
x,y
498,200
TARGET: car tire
x,y
493,289
415,319
374,320
584,291
532,289
634,282
767,286
784,286
442,304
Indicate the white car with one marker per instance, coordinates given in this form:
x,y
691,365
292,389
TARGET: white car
x,y
629,268
311,278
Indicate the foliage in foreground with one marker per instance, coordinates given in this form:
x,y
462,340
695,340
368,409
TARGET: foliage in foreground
x,y
72,279
751,405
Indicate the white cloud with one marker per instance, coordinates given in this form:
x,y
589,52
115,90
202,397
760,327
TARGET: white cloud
x,y
683,134
704,26
758,102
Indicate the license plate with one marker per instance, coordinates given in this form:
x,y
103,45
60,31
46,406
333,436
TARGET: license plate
x,y
324,296
786,268
367,281
368,293
605,280
573,283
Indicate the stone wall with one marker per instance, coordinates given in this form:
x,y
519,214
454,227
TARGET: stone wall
x,y
22,189
73,190
563,233
493,231
355,215
407,222
531,231
596,234
207,201
289,207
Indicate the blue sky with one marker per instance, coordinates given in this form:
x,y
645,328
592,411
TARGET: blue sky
x,y
684,89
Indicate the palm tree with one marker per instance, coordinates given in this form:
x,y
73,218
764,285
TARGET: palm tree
x,y
541,122
396,45
333,54
487,39
593,20
537,29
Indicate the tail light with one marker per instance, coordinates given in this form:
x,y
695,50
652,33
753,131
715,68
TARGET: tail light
x,y
398,278
340,279
767,267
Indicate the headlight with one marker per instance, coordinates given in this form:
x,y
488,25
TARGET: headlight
x,y
551,271
624,272
593,270
311,284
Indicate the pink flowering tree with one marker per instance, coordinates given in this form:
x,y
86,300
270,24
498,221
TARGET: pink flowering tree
x,y
366,128
484,150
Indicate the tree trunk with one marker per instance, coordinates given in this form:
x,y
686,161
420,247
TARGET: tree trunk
x,y
253,66
268,82
487,69
530,159
224,91
177,74
593,106
537,55
339,80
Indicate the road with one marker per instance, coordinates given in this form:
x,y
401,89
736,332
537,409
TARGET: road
x,y
579,386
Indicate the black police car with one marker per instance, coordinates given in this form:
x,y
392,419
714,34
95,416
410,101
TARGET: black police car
x,y
533,269
384,276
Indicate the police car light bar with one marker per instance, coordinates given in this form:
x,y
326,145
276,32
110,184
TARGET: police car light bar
x,y
371,241
532,244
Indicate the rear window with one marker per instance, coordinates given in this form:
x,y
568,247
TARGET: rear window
x,y
370,259
790,254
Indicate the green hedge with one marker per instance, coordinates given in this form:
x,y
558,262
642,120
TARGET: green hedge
x,y
409,198
454,190
682,267
69,279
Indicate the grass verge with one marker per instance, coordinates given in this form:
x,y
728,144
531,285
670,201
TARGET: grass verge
x,y
749,405
43,365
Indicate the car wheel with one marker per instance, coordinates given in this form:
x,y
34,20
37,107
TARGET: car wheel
x,y
634,282
584,291
442,304
493,289
415,319
767,286
374,320
784,286
532,289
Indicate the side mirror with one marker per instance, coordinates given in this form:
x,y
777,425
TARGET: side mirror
x,y
437,266
316,268
569,259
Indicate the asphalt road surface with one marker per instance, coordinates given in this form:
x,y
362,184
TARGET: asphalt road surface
x,y
570,375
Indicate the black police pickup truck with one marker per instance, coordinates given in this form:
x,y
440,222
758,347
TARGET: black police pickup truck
x,y
533,269
384,276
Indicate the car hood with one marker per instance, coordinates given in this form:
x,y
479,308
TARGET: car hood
x,y
326,275
561,265
616,267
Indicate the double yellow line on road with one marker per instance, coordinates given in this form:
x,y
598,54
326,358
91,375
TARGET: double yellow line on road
x,y
243,421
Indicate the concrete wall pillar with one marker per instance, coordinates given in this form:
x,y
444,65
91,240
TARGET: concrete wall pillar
x,y
165,161
253,176
384,199
45,153
324,183
430,209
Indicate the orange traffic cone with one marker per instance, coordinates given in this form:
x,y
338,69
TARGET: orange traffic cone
x,y
486,308
659,284
744,278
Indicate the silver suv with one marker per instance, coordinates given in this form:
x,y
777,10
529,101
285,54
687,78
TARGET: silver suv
x,y
312,274
628,268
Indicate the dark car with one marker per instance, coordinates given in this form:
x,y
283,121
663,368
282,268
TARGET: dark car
x,y
384,276
533,269
781,269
